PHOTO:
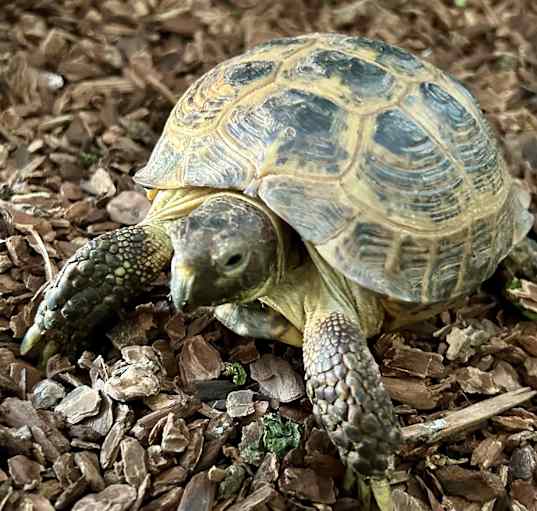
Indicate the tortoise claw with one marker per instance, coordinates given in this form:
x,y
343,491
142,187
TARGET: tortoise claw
x,y
32,339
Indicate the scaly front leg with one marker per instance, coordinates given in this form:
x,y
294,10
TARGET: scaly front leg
x,y
349,399
96,281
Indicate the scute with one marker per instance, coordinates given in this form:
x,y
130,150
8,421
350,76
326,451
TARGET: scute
x,y
292,129
363,79
392,57
383,162
326,215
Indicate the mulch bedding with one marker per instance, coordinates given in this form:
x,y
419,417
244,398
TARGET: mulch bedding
x,y
85,87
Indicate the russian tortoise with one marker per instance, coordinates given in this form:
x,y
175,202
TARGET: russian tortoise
x,y
312,190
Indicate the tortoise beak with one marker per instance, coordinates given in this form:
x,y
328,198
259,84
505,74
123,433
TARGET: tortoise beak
x,y
181,285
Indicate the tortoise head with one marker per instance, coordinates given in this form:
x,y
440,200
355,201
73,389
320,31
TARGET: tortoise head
x,y
226,250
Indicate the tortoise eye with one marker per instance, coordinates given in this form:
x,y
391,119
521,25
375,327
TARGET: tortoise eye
x,y
233,260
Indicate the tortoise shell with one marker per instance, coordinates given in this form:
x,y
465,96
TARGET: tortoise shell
x,y
380,160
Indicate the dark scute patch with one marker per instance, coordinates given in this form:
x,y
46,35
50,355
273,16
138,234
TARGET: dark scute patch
x,y
363,78
446,106
388,55
247,72
398,133
312,127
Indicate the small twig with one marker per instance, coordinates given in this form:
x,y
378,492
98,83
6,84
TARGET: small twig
x,y
466,418
42,250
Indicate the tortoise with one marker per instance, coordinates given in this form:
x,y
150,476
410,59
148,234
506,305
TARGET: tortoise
x,y
314,190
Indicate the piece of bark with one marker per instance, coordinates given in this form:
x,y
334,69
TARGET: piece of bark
x,y
506,376
66,470
14,441
88,464
199,360
199,494
71,494
47,394
277,379
413,361
523,462
405,502
131,383
101,423
526,493
190,457
35,502
118,497
79,404
175,435
487,452
527,338
268,471
265,494
169,478
474,381
304,483
512,423
414,392
16,413
26,473
134,461
49,449
476,486
240,403
165,502
112,440
182,409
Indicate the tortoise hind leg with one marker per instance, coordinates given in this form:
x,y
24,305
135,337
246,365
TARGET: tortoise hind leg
x,y
349,400
96,281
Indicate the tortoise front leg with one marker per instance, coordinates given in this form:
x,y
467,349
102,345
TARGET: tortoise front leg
x,y
259,321
349,399
96,281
